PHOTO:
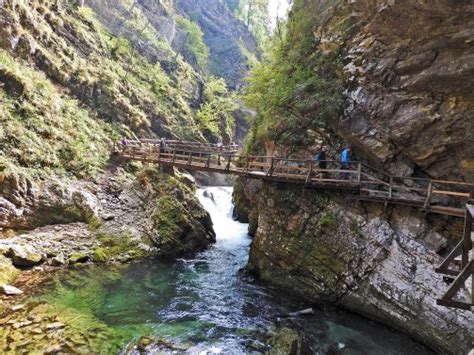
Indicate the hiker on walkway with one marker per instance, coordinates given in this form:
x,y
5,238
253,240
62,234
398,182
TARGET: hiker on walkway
x,y
124,143
162,144
320,157
345,161
220,147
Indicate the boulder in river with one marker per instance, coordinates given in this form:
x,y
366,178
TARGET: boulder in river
x,y
25,255
10,290
58,260
78,258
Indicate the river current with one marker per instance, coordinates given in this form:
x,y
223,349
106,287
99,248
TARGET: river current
x,y
207,300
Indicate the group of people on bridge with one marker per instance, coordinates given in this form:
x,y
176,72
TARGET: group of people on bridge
x,y
321,159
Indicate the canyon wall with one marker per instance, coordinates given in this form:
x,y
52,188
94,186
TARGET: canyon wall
x,y
391,78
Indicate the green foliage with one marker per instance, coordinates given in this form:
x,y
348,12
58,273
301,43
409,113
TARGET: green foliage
x,y
254,13
138,88
42,130
100,255
328,220
215,114
297,88
195,42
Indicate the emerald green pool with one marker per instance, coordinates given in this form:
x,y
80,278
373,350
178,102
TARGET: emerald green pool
x,y
207,302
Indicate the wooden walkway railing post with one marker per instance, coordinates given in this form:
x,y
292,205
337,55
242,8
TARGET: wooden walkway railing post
x,y
310,171
390,187
467,242
429,193
270,169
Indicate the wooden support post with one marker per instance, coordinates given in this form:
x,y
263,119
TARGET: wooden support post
x,y
219,159
466,246
390,187
227,167
458,283
247,163
429,193
208,162
190,158
310,172
174,156
270,170
359,172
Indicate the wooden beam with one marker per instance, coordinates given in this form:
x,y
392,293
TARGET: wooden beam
x,y
390,188
429,193
467,242
454,304
458,283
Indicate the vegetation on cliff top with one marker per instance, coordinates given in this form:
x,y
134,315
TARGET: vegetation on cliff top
x,y
69,87
194,42
297,87
254,13
44,130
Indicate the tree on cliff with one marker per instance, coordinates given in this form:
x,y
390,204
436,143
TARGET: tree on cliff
x,y
297,87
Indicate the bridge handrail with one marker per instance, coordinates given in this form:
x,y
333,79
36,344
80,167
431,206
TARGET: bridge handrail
x,y
365,177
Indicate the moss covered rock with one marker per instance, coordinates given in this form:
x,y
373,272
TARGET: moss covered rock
x,y
78,258
25,255
179,222
100,255
8,273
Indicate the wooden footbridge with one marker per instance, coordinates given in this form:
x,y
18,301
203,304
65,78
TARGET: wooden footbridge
x,y
359,181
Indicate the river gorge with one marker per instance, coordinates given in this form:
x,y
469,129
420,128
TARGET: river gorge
x,y
206,303
236,176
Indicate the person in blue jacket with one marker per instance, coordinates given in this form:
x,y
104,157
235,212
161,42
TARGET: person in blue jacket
x,y
345,161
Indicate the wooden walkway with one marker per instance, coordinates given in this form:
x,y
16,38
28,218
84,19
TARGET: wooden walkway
x,y
359,181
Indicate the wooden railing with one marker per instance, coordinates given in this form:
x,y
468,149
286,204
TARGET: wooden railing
x,y
446,197
460,264
185,145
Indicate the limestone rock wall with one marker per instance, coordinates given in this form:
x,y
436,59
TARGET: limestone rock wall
x,y
228,39
365,258
409,93
114,218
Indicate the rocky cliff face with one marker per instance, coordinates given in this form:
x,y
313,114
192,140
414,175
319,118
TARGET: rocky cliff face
x,y
409,100
366,258
229,40
72,80
406,106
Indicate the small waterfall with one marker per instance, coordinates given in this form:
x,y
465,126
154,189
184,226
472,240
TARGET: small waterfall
x,y
217,200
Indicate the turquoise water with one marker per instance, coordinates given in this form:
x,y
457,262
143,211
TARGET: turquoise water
x,y
208,302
